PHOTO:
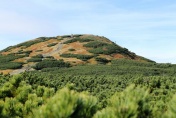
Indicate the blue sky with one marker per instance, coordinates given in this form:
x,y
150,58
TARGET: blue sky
x,y
146,27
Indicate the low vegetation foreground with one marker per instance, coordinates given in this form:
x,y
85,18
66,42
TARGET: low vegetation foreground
x,y
83,76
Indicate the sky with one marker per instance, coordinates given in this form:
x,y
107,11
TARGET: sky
x,y
146,27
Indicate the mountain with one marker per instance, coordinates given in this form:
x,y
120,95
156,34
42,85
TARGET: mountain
x,y
62,51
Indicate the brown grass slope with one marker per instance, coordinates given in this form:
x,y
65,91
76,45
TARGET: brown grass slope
x,y
74,49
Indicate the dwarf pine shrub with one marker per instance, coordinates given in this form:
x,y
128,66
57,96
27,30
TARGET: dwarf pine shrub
x,y
131,103
68,104
171,112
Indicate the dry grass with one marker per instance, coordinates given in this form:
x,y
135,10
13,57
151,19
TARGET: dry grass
x,y
118,56
20,60
79,48
5,72
55,51
106,56
92,61
14,50
42,46
74,61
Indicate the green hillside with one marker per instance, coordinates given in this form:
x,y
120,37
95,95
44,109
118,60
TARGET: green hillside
x,y
83,76
124,89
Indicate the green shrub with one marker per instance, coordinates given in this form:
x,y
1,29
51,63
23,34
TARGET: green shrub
x,y
48,92
78,39
50,69
12,108
29,43
25,53
19,99
67,103
33,102
86,40
97,50
72,40
95,44
15,80
171,112
78,56
104,48
22,93
38,56
34,60
131,103
71,49
8,89
52,44
66,36
77,35
50,63
11,65
7,58
1,108
40,91
102,60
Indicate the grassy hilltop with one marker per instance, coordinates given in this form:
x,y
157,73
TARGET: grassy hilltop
x,y
71,49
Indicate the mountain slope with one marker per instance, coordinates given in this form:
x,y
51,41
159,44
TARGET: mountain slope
x,y
68,49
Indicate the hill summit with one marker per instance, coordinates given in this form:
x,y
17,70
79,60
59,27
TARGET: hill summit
x,y
62,51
